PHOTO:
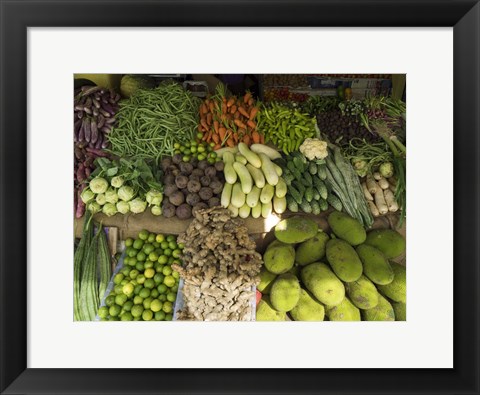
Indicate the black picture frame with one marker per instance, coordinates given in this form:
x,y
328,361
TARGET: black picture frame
x,y
17,15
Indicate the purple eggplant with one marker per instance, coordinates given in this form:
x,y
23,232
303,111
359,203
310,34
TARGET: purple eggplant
x,y
81,133
100,121
98,144
109,121
109,108
86,127
88,110
96,103
94,131
80,114
106,114
78,153
105,144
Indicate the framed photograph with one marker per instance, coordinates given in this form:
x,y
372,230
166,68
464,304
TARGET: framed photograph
x,y
237,162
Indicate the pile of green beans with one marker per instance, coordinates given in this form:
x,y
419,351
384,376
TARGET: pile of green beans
x,y
152,121
285,127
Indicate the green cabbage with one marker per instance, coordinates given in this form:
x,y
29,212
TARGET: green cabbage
x,y
137,205
123,207
109,209
98,185
126,193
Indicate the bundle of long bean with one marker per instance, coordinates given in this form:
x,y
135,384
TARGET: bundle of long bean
x,y
152,121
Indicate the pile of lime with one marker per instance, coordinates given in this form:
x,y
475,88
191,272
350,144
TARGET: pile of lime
x,y
146,287
198,149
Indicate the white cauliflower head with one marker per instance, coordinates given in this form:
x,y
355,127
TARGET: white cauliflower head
x,y
314,149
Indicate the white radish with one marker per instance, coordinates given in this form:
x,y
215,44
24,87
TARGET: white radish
x,y
366,192
380,202
383,183
373,208
390,200
377,175
371,184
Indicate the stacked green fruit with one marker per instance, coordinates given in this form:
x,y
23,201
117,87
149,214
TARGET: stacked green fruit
x,y
346,275
146,287
307,190
196,149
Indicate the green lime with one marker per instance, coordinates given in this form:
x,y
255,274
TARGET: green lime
x,y
176,145
147,302
128,305
129,242
169,281
127,316
162,259
114,310
126,260
125,281
118,278
147,315
177,262
181,245
171,238
193,150
176,275
138,244
151,237
133,261
171,259
149,283
132,253
162,297
158,267
143,235
158,278
148,249
140,266
103,312
140,279
199,135
110,300
176,253
156,305
167,307
138,288
162,288
211,160
201,157
167,251
168,317
156,244
154,293
167,270
164,244
186,158
148,264
159,316
171,297
153,256
141,256
201,149
118,289
137,310
133,274
137,300
174,288
128,289
172,245
121,299
144,293
159,238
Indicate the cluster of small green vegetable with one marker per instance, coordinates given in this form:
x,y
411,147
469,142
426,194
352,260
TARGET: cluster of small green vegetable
x,y
123,186
306,187
151,121
344,182
196,149
92,256
285,127
146,287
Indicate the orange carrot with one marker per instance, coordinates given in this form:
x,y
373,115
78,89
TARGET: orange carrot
x,y
247,97
215,138
217,146
209,118
240,124
216,126
256,137
233,109
230,142
212,107
222,132
253,113
251,101
235,137
209,136
246,139
252,124
231,102
242,111
262,139
203,122
204,137
224,108
236,115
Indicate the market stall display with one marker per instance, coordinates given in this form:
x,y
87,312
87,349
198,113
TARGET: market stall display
x,y
314,175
